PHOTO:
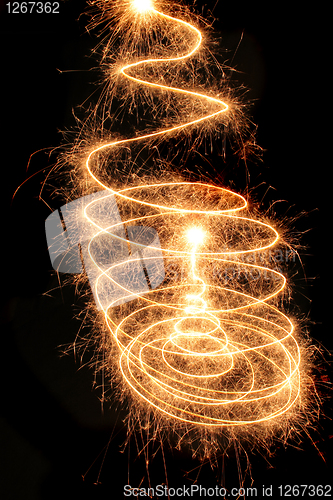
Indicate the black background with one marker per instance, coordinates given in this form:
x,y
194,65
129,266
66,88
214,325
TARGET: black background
x,y
53,430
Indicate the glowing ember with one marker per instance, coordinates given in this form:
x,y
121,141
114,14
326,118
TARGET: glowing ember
x,y
142,5
195,236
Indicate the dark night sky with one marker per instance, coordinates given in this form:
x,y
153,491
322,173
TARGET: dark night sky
x,y
52,428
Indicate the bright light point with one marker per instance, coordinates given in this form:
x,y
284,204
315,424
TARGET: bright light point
x,y
195,235
142,5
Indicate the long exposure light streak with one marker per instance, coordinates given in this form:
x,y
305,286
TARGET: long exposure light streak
x,y
223,107
200,348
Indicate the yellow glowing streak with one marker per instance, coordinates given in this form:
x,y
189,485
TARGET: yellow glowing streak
x,y
196,236
164,386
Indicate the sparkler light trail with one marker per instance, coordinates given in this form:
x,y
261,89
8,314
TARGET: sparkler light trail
x,y
203,342
126,71
196,350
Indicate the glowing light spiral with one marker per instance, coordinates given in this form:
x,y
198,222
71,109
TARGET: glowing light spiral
x,y
197,348
199,351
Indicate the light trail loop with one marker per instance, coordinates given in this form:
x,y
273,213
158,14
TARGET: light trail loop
x,y
125,72
201,349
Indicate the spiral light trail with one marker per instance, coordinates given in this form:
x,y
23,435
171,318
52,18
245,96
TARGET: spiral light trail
x,y
197,348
